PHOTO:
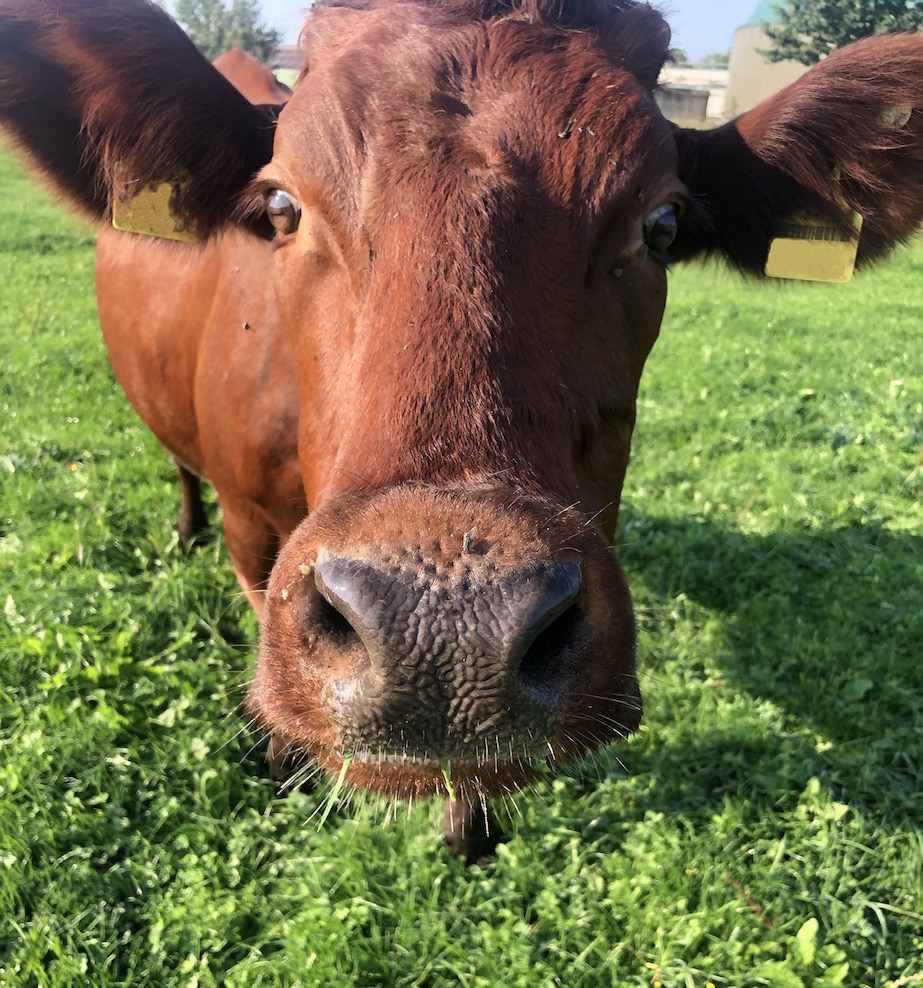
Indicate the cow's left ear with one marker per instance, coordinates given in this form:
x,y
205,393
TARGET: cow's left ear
x,y
109,98
845,138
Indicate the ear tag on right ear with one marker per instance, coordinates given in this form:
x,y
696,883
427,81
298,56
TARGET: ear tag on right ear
x,y
809,249
152,211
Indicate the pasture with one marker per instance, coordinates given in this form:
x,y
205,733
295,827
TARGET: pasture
x,y
764,828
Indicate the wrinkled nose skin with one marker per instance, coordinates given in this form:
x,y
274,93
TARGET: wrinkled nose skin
x,y
444,661
445,642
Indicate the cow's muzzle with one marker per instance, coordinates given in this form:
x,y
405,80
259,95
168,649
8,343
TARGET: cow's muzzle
x,y
445,641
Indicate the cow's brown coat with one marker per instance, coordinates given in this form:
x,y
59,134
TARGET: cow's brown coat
x,y
251,78
459,322
220,303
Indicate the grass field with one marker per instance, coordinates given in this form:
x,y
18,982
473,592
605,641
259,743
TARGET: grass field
x,y
764,828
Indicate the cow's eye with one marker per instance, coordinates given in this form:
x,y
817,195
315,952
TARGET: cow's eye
x,y
284,211
661,227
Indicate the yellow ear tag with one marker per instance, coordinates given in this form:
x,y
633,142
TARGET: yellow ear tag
x,y
811,250
152,211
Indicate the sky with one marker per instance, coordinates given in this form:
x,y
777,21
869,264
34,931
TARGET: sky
x,y
700,27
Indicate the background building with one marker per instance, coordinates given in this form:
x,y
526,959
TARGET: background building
x,y
751,76
692,94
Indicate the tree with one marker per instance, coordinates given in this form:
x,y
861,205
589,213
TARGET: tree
x,y
205,23
216,28
246,31
808,30
714,60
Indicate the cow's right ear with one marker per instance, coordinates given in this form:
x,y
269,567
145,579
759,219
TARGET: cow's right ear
x,y
107,97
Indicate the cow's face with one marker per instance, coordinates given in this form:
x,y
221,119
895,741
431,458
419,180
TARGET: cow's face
x,y
469,257
473,208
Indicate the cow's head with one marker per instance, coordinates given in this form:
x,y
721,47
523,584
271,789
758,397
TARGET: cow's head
x,y
472,206
472,218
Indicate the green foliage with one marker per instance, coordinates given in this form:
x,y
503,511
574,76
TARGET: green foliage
x,y
806,30
216,28
713,60
762,829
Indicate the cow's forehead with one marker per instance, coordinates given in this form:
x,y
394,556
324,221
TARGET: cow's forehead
x,y
420,92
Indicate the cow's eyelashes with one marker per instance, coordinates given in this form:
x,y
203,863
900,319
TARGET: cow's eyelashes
x,y
284,212
661,227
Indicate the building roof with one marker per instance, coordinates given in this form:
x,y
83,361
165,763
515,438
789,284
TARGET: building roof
x,y
764,13
675,75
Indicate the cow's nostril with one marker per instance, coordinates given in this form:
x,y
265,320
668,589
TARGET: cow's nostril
x,y
538,600
441,657
544,663
332,623
503,615
361,596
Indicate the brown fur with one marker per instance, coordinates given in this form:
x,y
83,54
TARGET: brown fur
x,y
212,302
251,78
458,325
186,355
130,90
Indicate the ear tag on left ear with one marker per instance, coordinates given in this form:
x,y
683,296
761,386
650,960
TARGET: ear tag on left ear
x,y
809,249
152,211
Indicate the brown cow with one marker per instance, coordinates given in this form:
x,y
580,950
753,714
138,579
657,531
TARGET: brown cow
x,y
468,209
153,292
251,77
196,343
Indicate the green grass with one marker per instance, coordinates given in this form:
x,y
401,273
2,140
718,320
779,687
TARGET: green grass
x,y
763,829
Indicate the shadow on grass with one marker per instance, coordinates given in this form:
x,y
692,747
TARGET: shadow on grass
x,y
828,626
